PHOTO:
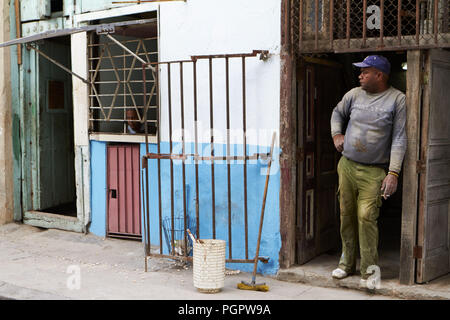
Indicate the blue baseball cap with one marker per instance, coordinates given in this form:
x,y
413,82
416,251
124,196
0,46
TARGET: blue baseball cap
x,y
378,62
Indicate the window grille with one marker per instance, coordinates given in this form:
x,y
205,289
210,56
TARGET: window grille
x,y
368,25
116,97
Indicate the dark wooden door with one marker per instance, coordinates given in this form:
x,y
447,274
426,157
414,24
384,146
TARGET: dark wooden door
x,y
434,167
319,89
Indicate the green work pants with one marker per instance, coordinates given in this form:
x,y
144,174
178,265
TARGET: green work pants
x,y
359,202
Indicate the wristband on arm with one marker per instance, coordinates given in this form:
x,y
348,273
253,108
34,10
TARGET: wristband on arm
x,y
393,173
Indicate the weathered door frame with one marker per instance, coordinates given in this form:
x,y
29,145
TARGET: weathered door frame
x,y
29,120
432,247
27,110
415,76
414,97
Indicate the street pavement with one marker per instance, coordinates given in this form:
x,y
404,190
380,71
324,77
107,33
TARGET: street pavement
x,y
50,264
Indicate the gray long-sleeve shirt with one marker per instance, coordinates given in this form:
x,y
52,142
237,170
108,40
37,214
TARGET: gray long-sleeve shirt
x,y
375,131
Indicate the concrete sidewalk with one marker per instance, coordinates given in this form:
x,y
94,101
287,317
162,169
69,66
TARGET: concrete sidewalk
x,y
45,264
318,273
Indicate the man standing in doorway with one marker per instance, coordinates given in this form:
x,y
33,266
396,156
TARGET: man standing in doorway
x,y
372,148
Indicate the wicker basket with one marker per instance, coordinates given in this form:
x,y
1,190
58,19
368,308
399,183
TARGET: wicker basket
x,y
209,265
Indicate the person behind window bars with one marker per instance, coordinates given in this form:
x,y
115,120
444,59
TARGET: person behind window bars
x,y
372,147
134,126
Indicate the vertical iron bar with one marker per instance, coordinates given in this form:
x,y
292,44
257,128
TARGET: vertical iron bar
x,y
331,22
348,24
244,125
197,195
227,76
146,242
158,117
172,211
436,20
290,17
316,24
381,23
300,29
144,81
183,161
364,23
124,93
417,21
399,22
211,117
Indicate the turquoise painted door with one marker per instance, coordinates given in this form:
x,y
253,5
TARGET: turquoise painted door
x,y
55,128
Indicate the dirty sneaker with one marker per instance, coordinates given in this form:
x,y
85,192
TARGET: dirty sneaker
x,y
339,273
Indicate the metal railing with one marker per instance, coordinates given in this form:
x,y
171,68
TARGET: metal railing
x,y
368,25
169,224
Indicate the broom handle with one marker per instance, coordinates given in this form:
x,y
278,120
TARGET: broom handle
x,y
262,210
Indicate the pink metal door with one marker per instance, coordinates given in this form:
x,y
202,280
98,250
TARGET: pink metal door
x,y
123,218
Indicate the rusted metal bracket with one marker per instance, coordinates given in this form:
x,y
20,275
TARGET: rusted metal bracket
x,y
29,46
129,51
264,54
417,252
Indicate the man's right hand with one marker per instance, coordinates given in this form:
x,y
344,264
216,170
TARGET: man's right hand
x,y
339,142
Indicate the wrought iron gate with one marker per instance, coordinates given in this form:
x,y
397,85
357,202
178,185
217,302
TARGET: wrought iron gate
x,y
169,227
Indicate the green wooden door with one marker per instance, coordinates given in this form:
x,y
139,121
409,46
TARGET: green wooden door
x,y
55,128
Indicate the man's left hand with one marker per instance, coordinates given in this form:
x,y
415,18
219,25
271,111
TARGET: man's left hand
x,y
389,186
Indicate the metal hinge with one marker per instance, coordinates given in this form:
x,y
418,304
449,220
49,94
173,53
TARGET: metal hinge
x,y
421,166
417,252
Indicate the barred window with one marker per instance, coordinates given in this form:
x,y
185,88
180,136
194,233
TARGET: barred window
x,y
116,98
367,25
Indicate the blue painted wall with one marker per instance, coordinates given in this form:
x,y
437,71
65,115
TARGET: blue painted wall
x,y
98,188
256,171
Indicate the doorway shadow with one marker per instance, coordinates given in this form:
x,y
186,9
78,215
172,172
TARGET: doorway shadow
x,y
65,209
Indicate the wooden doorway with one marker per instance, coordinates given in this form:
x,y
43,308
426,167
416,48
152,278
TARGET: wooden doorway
x,y
56,153
319,89
433,233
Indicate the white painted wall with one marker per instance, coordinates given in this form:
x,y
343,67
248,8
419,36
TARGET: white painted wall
x,y
81,135
201,27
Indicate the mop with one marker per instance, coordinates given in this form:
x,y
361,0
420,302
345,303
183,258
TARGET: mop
x,y
253,285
